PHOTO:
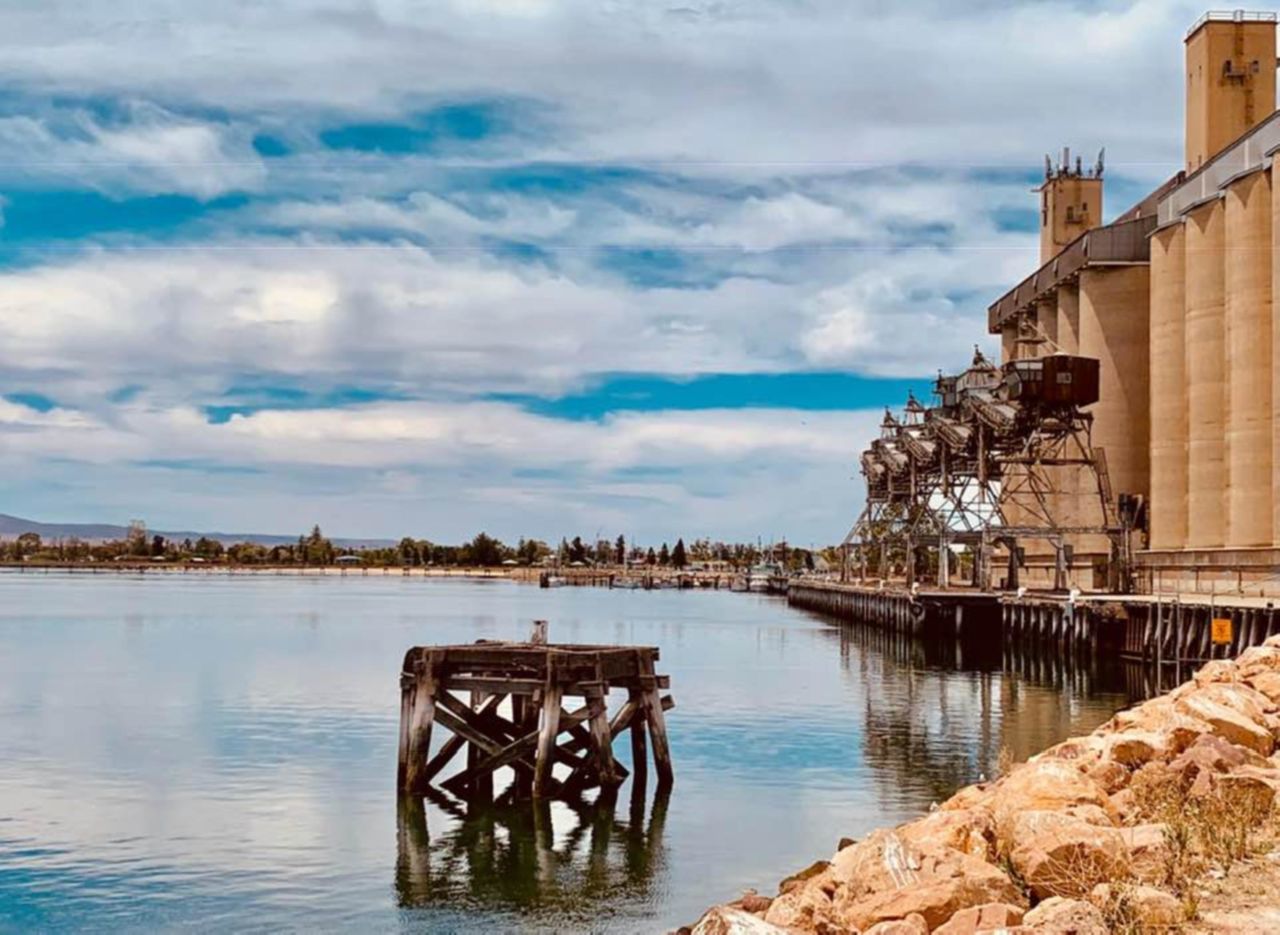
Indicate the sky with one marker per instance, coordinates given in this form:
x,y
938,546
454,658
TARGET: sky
x,y
537,267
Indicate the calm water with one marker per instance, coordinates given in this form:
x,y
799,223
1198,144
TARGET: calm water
x,y
220,753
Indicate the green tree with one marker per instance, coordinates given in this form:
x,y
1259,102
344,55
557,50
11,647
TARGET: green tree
x,y
27,544
577,551
664,555
620,550
678,557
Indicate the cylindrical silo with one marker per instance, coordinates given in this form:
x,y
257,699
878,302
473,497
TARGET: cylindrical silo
x,y
1114,327
1205,341
1247,284
1168,507
1047,324
1275,371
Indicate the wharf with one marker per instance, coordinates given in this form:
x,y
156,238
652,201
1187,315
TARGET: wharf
x,y
1171,630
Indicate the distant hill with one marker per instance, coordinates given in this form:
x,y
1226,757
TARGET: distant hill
x,y
13,526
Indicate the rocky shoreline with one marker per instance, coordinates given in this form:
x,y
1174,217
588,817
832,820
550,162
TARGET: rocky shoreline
x,y
1144,825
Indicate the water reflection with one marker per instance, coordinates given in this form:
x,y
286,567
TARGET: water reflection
x,y
565,857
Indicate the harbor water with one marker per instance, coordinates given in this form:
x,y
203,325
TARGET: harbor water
x,y
218,753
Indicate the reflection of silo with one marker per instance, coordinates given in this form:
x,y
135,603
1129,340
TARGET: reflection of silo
x,y
1205,340
1114,316
1247,284
1168,389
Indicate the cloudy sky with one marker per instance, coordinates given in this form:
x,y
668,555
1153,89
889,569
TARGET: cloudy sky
x,y
540,267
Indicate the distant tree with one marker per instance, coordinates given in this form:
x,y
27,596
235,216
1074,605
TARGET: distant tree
x,y
27,544
664,555
409,554
486,551
562,553
651,557
157,546
317,550
137,538
620,550
678,557
577,551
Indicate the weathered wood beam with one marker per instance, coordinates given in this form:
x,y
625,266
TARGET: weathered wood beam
x,y
545,756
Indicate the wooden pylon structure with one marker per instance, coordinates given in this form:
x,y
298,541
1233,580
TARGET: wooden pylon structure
x,y
535,731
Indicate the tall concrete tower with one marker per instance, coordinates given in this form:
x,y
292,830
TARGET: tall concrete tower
x,y
1231,79
1070,203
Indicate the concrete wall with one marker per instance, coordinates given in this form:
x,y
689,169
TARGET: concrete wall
x,y
1205,346
1114,327
1222,105
1070,204
1168,507
1247,283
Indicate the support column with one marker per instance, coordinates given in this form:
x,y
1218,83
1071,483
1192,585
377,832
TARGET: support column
x,y
1206,344
1168,507
1248,348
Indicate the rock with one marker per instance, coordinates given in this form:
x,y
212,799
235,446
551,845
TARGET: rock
x,y
979,795
723,920
1249,789
1159,716
815,868
1076,749
1227,722
1219,670
755,903
1110,775
1138,907
1045,785
1267,683
992,917
1209,754
1258,660
1134,748
911,925
1058,855
1059,916
969,830
804,907
1148,849
883,878
845,842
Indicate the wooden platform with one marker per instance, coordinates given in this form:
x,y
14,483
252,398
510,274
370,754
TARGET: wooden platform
x,y
537,732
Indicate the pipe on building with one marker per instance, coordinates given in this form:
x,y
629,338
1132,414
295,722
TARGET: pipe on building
x,y
1168,507
1247,311
1205,346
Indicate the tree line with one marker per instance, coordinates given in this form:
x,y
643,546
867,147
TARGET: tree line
x,y
315,548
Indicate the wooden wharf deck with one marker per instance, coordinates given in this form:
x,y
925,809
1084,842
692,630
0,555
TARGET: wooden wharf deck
x,y
1166,630
534,679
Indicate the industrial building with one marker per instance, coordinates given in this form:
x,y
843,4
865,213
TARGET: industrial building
x,y
1175,480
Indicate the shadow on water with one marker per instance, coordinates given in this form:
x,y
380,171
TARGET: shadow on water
x,y
551,857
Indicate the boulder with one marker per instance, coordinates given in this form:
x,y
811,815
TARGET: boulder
x,y
1148,849
1058,916
804,908
1078,749
993,917
1125,805
723,920
1219,670
808,873
969,830
1210,754
1045,785
883,878
1135,748
979,795
1161,717
754,902
911,925
1249,789
1227,722
1058,855
1258,660
1110,775
1267,683
1143,908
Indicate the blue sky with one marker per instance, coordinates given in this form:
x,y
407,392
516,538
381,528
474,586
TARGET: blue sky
x,y
534,266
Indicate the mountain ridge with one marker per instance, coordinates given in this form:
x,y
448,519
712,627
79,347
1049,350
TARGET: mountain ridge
x,y
13,526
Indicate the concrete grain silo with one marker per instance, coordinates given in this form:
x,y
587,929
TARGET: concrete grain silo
x,y
1168,513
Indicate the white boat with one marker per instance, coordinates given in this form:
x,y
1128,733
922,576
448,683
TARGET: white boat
x,y
759,577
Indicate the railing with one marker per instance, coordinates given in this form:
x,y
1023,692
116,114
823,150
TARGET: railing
x,y
1231,16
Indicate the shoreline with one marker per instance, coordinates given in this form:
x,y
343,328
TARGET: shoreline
x,y
1163,819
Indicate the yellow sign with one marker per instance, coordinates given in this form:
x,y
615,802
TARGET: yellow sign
x,y
1221,630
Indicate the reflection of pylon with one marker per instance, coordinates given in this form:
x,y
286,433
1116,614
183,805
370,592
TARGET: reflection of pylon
x,y
1005,456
